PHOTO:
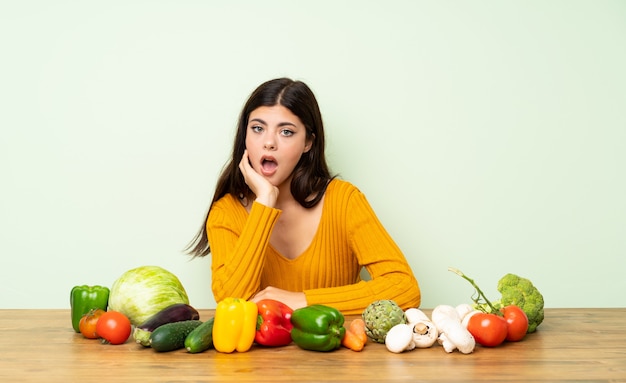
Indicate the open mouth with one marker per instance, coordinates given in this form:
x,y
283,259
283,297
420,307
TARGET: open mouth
x,y
268,165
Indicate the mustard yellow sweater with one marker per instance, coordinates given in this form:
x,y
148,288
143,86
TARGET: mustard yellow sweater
x,y
349,237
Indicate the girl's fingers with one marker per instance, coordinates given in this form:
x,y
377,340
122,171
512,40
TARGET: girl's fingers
x,y
244,165
249,174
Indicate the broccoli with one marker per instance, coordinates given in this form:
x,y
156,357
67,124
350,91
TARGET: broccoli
x,y
522,293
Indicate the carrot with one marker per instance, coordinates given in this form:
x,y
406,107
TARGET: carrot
x,y
355,338
357,326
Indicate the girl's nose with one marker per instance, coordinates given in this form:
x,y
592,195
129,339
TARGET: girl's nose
x,y
269,145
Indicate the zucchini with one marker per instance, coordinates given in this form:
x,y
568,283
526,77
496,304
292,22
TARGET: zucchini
x,y
201,338
175,313
171,336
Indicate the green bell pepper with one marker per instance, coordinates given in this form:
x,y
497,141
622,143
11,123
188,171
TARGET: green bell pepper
x,y
317,328
84,298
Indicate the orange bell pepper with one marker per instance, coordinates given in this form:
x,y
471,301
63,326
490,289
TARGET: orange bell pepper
x,y
234,325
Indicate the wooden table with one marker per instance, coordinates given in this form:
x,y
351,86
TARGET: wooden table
x,y
571,344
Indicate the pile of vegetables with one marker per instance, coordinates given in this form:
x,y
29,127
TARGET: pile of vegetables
x,y
516,291
109,314
518,312
151,304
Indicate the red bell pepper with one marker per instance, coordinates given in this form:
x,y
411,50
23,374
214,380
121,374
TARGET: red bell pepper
x,y
273,323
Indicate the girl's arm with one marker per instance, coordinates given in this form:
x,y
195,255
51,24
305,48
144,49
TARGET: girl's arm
x,y
238,253
391,274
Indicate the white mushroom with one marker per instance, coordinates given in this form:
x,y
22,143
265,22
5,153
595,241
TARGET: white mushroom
x,y
463,309
425,332
414,315
452,334
400,338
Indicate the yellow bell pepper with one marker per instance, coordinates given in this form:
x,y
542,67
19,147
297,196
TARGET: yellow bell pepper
x,y
234,325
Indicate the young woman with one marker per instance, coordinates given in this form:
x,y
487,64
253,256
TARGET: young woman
x,y
281,227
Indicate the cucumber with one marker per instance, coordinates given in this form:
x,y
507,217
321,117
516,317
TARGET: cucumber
x,y
171,336
201,338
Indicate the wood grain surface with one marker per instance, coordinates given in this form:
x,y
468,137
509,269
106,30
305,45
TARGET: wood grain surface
x,y
571,345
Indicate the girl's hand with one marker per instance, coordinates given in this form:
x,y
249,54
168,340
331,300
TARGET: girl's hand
x,y
292,299
265,192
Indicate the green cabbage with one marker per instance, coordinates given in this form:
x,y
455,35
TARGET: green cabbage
x,y
142,292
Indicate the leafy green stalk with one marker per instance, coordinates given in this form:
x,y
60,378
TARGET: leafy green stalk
x,y
477,300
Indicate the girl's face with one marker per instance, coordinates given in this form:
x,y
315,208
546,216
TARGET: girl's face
x,y
275,139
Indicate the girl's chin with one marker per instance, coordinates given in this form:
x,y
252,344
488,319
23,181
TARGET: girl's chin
x,y
270,178
274,178
279,183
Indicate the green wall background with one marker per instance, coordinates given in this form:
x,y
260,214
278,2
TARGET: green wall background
x,y
488,135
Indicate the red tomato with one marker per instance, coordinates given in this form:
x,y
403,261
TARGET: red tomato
x,y
114,327
489,330
87,324
517,323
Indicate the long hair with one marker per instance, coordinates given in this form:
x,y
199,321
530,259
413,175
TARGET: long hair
x,y
310,176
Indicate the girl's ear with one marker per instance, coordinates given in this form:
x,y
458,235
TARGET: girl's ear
x,y
309,143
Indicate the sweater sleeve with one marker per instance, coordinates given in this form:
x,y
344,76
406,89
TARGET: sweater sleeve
x,y
391,275
238,242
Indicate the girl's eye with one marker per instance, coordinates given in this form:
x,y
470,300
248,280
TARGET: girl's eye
x,y
286,132
256,128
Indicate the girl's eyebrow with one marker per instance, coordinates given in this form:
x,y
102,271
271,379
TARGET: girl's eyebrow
x,y
286,123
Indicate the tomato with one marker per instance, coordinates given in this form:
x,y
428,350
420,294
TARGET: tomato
x,y
489,330
87,324
517,323
114,327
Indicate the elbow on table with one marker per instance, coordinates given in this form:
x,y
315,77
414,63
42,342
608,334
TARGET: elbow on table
x,y
222,291
411,296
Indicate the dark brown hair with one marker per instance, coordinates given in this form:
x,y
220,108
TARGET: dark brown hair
x,y
310,176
